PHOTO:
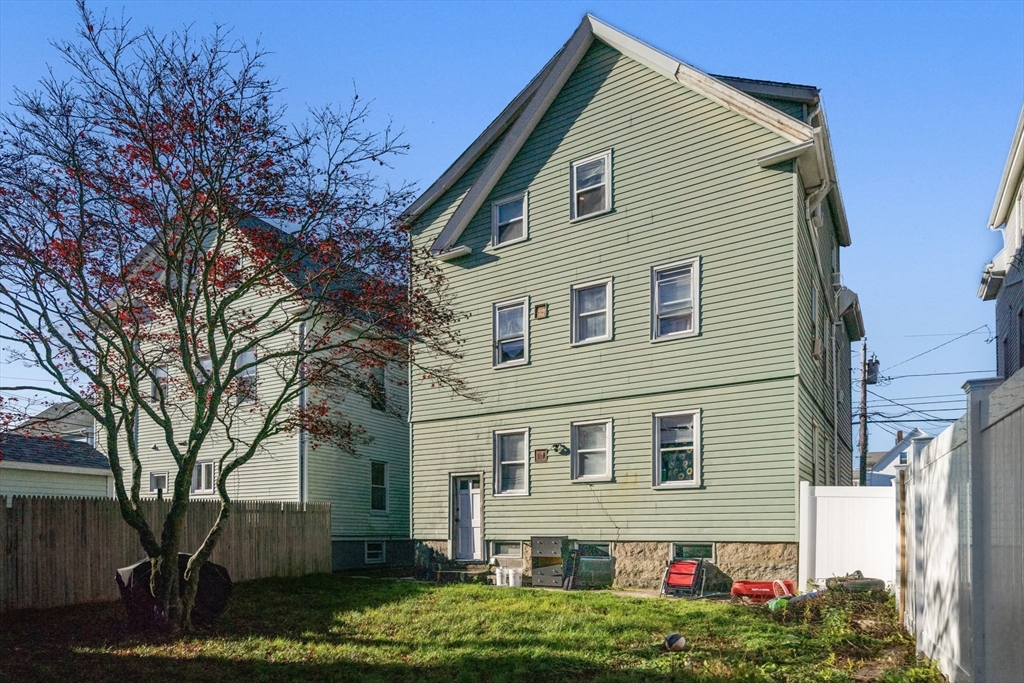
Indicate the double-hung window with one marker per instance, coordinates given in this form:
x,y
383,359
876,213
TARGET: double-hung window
x,y
510,462
511,333
378,486
509,220
592,451
205,367
158,382
378,389
202,477
592,312
675,301
677,449
591,182
247,379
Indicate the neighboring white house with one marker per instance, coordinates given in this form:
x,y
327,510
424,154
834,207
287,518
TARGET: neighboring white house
x,y
40,466
884,470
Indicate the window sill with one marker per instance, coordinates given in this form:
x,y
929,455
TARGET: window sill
x,y
515,364
673,337
380,513
509,243
678,485
579,219
512,494
593,480
590,342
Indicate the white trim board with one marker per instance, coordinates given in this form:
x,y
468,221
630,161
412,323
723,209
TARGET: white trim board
x,y
63,469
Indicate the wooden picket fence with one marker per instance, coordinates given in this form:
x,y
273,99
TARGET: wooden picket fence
x,y
64,551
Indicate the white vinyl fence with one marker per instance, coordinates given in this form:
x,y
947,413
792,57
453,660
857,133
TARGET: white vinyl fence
x,y
846,528
962,594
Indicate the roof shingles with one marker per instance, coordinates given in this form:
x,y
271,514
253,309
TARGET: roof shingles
x,y
50,451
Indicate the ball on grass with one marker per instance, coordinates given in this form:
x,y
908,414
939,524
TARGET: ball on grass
x,y
674,642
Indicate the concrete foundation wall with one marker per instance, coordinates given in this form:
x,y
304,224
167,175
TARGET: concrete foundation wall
x,y
352,554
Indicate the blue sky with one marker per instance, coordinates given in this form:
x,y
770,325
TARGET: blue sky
x,y
922,99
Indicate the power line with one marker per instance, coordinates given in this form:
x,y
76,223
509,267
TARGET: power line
x,y
935,348
934,374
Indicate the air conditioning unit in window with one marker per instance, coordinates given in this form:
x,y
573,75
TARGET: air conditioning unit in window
x,y
837,280
818,350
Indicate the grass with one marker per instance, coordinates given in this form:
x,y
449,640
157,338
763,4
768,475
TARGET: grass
x,y
338,628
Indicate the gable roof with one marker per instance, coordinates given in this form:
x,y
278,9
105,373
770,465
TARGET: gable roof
x,y
522,115
883,460
50,451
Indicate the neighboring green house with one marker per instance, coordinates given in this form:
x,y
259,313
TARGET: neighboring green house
x,y
368,490
50,466
649,257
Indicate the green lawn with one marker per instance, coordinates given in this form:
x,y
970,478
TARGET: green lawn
x,y
336,628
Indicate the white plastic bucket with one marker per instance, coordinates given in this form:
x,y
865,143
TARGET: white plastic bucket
x,y
515,577
500,576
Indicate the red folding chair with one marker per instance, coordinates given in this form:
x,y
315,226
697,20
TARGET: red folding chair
x,y
684,578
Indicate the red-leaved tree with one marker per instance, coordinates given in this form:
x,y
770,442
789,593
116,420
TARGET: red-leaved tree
x,y
166,237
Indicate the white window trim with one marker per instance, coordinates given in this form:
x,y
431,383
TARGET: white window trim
x,y
383,553
518,555
609,307
607,476
166,477
694,264
525,196
387,488
498,493
213,477
525,303
609,203
656,482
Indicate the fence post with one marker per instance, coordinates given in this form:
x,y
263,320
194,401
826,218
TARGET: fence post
x,y
977,416
807,536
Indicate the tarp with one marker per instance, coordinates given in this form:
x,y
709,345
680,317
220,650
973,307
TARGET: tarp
x,y
211,595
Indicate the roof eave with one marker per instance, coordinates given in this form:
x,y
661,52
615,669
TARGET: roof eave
x,y
1011,178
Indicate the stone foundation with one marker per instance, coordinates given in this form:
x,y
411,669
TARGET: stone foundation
x,y
642,564
758,561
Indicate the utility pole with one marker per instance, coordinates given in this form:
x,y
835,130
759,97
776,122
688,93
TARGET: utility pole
x,y
864,413
868,375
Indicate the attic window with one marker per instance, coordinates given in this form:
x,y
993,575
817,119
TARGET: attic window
x,y
591,182
509,222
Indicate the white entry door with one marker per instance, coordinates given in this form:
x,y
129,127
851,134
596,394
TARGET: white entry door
x,y
468,537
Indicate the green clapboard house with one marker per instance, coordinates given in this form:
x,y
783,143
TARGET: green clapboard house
x,y
657,331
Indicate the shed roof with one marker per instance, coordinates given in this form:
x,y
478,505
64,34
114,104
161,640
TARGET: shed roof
x,y
50,451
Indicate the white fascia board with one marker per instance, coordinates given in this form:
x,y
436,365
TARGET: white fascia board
x,y
754,109
1012,172
551,85
785,154
64,469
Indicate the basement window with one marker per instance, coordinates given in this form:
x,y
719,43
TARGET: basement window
x,y
693,551
507,549
374,552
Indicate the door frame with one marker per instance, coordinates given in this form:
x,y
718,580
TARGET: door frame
x,y
452,502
